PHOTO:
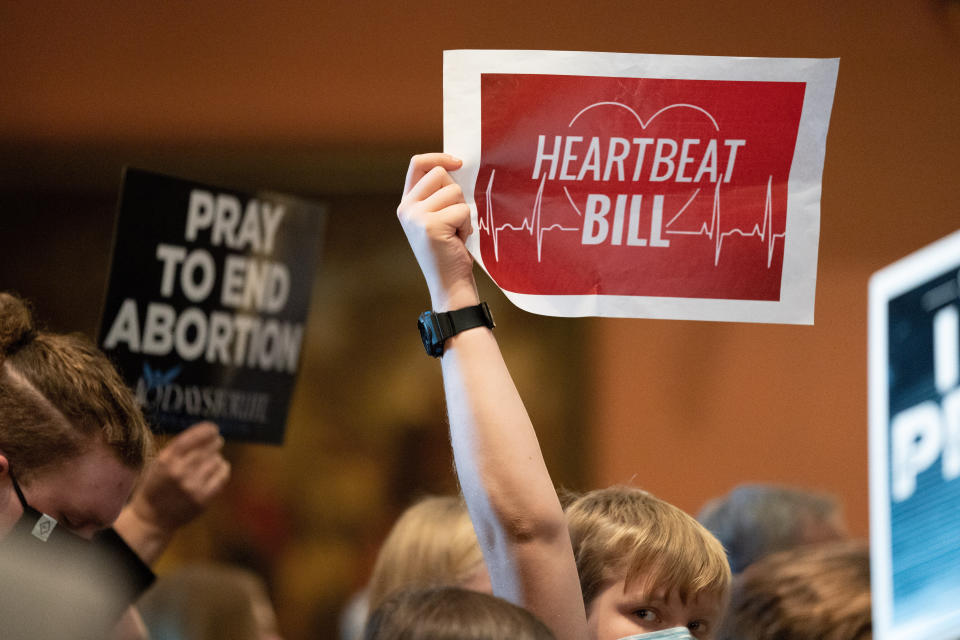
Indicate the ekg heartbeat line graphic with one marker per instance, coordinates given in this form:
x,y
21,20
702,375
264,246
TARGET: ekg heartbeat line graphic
x,y
764,233
532,225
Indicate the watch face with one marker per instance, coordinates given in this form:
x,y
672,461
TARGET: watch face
x,y
429,334
424,330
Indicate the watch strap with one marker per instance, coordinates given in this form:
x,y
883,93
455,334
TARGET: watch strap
x,y
453,322
446,324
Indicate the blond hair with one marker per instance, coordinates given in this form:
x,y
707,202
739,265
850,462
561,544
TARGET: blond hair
x,y
432,544
625,532
59,394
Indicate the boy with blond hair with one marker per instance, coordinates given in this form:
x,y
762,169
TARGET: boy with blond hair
x,y
620,563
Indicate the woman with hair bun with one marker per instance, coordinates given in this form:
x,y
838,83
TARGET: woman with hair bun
x,y
72,444
72,437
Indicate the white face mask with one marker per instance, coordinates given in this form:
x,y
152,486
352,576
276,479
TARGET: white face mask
x,y
674,633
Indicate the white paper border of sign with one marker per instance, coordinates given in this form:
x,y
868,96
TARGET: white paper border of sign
x,y
888,283
461,138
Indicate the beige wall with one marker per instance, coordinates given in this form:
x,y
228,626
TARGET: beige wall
x,y
704,406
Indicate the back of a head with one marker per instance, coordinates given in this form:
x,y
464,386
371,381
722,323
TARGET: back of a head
x,y
59,393
205,602
431,544
627,532
452,613
817,592
754,520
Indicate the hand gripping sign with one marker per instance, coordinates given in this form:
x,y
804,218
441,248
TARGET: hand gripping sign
x,y
643,186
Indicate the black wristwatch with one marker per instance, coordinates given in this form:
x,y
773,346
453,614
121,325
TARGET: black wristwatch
x,y
435,328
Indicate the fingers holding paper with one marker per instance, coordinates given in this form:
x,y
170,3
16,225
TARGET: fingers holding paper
x,y
436,220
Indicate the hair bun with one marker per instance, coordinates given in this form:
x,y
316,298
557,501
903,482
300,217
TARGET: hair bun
x,y
16,324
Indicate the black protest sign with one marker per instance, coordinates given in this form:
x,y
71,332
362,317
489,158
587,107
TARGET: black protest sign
x,y
207,302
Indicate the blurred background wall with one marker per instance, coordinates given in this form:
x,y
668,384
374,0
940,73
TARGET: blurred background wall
x,y
327,101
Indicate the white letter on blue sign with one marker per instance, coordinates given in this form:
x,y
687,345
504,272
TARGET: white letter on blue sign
x,y
946,353
915,445
951,428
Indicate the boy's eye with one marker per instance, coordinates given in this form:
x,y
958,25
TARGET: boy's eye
x,y
697,626
647,615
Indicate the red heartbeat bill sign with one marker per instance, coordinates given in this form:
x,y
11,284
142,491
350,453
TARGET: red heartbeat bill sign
x,y
649,186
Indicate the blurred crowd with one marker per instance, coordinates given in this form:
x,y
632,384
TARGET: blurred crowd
x,y
90,499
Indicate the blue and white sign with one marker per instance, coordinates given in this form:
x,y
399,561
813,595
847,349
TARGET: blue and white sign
x,y
915,445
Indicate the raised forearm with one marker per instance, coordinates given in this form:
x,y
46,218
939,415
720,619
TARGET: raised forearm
x,y
511,498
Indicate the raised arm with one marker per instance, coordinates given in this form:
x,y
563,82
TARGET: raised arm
x,y
187,474
511,499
